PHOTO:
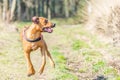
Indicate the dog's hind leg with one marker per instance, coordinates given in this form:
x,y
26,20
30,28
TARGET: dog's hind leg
x,y
49,56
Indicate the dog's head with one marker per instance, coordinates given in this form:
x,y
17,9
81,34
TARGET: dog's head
x,y
43,23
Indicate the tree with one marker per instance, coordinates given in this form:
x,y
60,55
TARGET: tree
x,y
13,7
5,9
66,8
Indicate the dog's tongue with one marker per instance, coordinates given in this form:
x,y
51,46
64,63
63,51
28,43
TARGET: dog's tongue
x,y
49,30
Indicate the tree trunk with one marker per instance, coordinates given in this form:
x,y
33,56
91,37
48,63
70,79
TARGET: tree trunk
x,y
5,9
48,9
0,10
76,3
53,9
13,7
19,10
27,13
72,7
45,8
36,7
33,9
66,8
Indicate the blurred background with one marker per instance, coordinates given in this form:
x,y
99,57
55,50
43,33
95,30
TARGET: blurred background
x,y
12,10
84,45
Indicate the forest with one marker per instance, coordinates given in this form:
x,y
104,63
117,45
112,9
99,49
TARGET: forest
x,y
11,10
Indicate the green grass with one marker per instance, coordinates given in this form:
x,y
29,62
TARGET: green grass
x,y
91,53
79,44
61,68
99,65
83,70
58,56
117,78
110,70
69,45
22,24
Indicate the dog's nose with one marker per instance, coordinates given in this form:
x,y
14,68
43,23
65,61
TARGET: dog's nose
x,y
53,25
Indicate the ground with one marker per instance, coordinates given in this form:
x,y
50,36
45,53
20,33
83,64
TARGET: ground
x,y
78,55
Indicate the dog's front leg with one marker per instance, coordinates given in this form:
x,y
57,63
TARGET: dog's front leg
x,y
43,60
31,70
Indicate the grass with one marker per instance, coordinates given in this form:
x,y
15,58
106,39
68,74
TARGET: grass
x,y
97,66
110,70
61,70
74,49
83,70
79,44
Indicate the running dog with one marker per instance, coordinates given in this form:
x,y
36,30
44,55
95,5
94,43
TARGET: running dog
x,y
32,39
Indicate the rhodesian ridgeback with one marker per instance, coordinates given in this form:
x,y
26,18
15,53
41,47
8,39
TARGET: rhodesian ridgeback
x,y
32,39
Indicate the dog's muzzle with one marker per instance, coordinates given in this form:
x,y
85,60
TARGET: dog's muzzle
x,y
53,25
48,29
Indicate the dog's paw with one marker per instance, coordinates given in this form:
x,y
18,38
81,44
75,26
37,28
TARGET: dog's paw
x,y
31,72
40,71
53,65
29,75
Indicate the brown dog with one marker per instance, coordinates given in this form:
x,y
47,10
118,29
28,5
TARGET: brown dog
x,y
32,39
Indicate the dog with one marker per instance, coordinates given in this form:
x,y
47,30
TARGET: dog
x,y
32,40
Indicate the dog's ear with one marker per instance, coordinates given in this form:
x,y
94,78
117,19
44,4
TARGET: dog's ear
x,y
35,19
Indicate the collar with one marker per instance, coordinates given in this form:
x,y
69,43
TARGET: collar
x,y
30,40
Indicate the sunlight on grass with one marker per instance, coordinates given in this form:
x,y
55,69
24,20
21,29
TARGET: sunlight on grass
x,y
66,76
69,46
97,43
83,70
79,44
91,53
61,69
22,24
110,70
99,65
89,59
117,78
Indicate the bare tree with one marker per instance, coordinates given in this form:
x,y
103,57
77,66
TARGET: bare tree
x,y
19,9
66,8
48,9
13,10
5,9
0,10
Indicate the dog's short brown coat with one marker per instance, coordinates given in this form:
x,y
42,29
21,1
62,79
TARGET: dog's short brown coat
x,y
32,32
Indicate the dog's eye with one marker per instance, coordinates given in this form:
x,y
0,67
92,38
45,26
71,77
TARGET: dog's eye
x,y
46,21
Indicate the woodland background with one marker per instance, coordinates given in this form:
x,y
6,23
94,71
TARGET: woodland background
x,y
85,43
11,10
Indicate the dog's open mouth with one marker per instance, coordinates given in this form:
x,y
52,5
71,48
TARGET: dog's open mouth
x,y
48,29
